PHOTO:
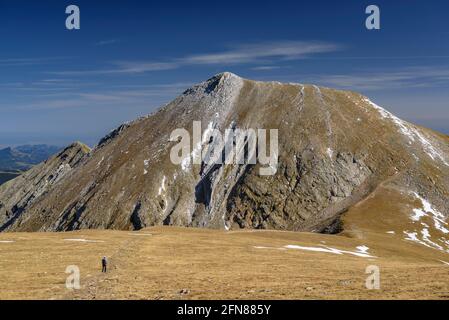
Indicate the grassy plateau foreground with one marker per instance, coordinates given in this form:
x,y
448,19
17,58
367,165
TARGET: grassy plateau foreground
x,y
188,263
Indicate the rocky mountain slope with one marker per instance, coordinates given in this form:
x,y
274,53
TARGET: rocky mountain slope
x,y
337,150
19,194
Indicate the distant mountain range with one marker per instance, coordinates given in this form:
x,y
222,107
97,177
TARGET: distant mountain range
x,y
22,158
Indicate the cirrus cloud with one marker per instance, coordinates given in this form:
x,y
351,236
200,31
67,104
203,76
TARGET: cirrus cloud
x,y
242,54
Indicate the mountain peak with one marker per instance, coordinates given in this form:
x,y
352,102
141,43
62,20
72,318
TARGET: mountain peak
x,y
225,78
80,145
335,148
227,74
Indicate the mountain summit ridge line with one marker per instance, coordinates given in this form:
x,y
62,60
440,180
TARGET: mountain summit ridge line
x,y
336,148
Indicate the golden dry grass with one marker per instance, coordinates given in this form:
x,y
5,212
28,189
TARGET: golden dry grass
x,y
158,263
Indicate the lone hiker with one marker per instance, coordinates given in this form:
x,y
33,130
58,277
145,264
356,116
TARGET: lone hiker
x,y
104,264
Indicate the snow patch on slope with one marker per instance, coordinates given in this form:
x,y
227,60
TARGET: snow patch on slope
x,y
357,253
362,251
196,153
423,236
437,217
146,163
162,188
411,133
82,240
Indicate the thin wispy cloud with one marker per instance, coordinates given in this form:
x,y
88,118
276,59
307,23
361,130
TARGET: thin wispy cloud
x,y
265,68
139,67
117,96
251,53
122,67
45,85
399,57
17,62
50,105
284,50
107,42
413,77
52,81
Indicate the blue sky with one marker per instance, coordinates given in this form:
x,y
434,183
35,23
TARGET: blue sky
x,y
130,57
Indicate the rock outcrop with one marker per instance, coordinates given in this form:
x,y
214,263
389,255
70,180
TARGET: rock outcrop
x,y
19,194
